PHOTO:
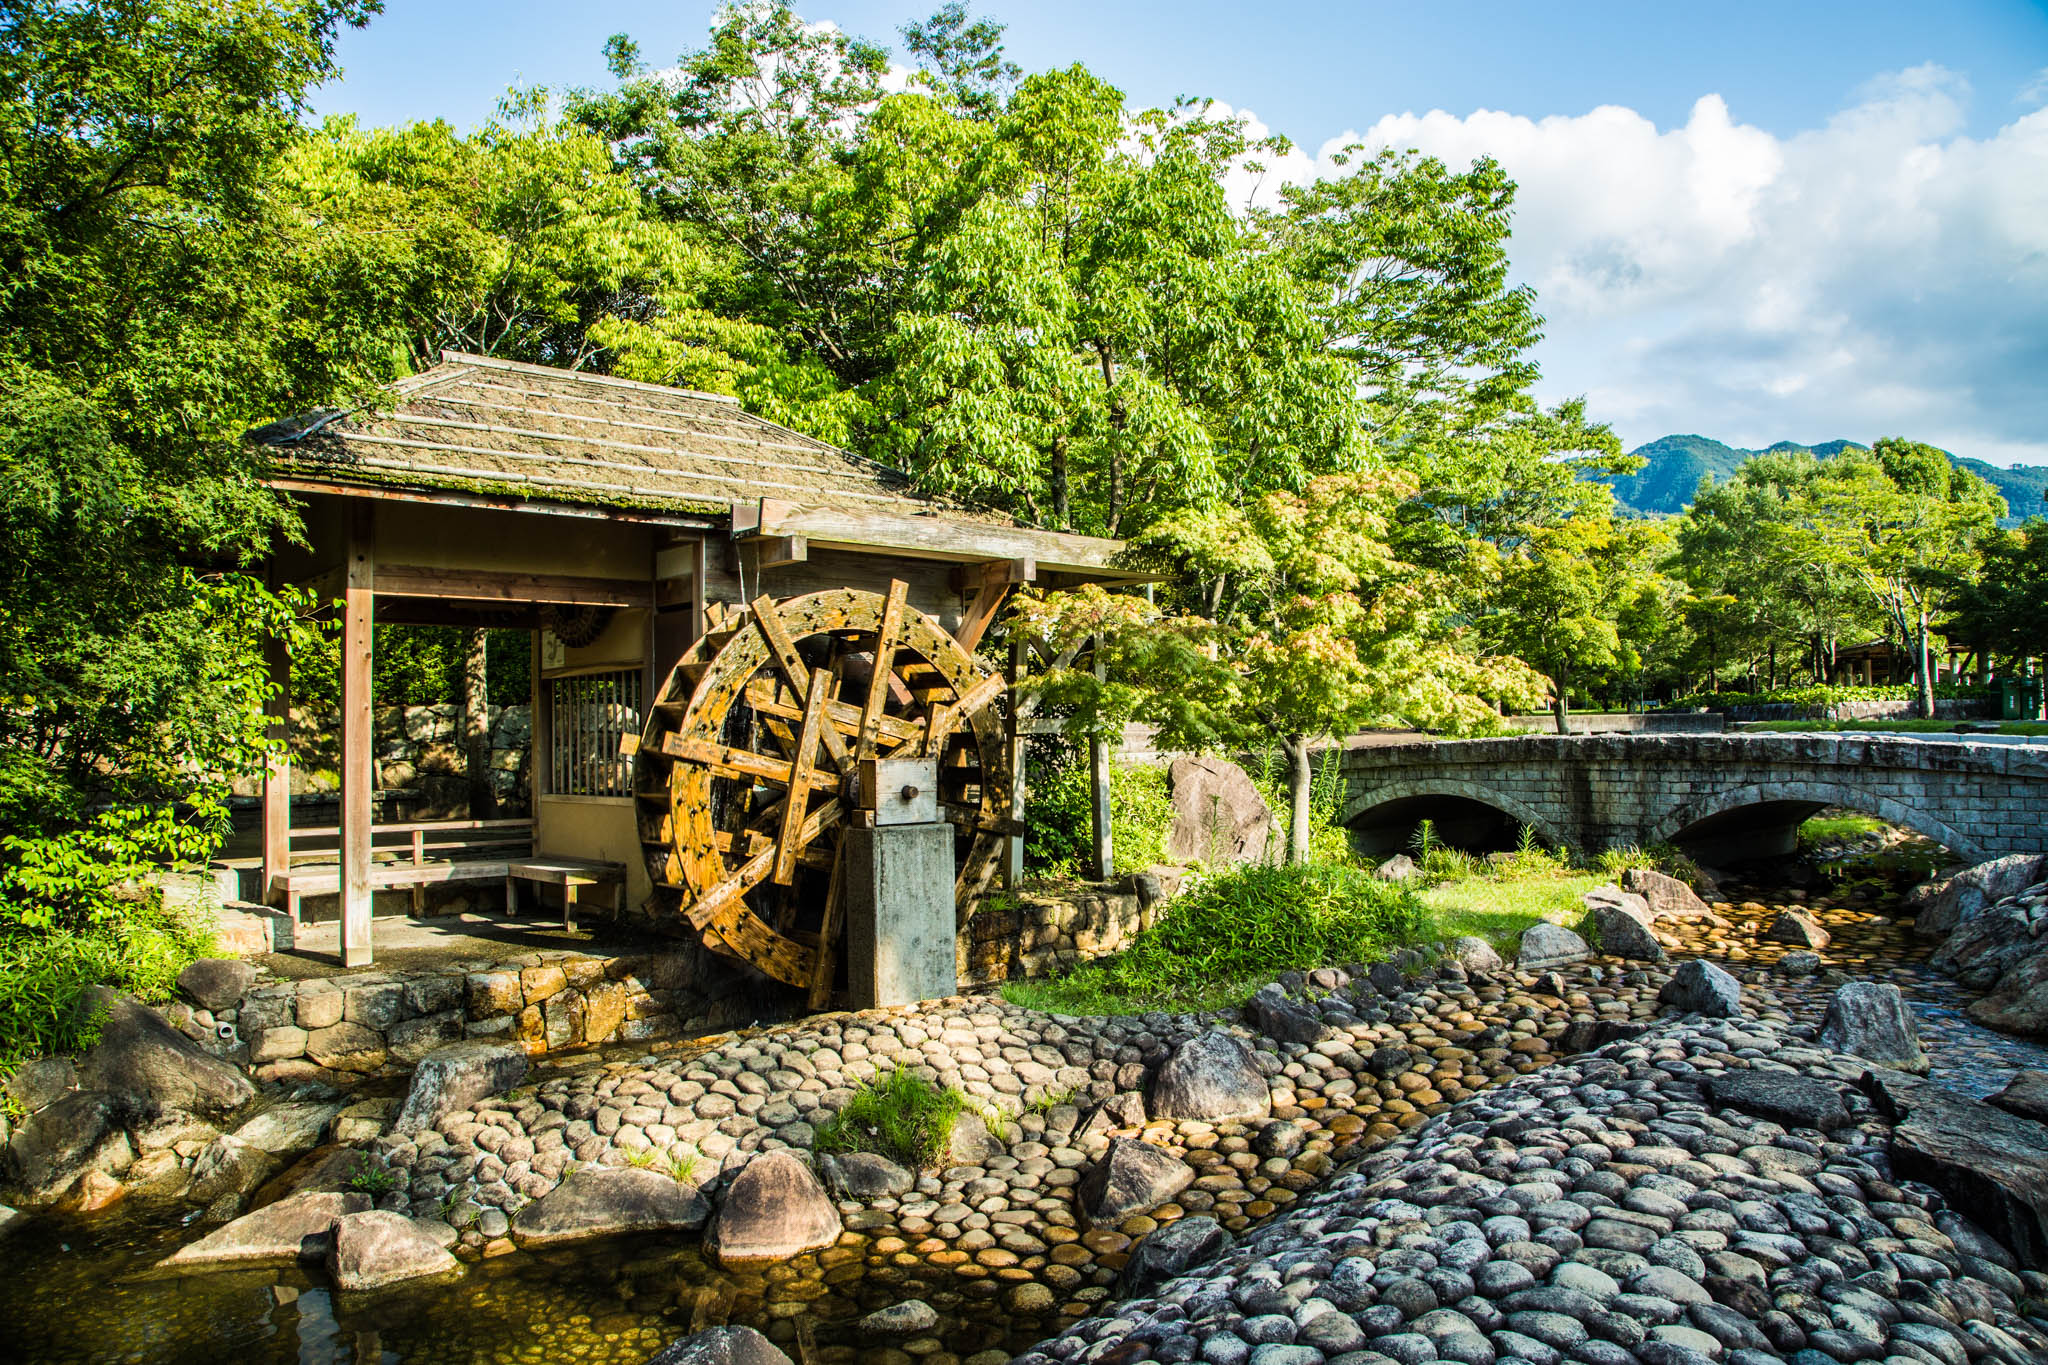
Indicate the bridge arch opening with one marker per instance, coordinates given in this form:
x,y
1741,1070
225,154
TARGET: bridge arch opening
x,y
1462,815
1754,823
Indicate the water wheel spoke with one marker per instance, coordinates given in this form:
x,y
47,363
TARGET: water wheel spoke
x,y
886,636
801,772
768,618
725,761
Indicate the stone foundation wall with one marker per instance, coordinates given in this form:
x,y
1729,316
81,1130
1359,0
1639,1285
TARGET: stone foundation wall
x,y
1016,936
346,1029
418,750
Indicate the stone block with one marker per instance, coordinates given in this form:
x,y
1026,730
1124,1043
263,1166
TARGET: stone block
x,y
494,993
346,1047
433,994
277,1043
604,1011
565,1016
539,983
319,1005
411,1039
900,919
376,1006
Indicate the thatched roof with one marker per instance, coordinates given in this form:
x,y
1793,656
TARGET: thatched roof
x,y
475,424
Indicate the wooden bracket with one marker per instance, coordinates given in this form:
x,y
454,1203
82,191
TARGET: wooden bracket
x,y
990,584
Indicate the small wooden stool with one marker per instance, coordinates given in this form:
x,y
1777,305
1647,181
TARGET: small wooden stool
x,y
570,874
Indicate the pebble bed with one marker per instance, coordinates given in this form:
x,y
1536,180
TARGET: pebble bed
x,y
1602,1213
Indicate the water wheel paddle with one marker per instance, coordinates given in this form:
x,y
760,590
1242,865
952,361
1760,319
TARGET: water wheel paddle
x,y
750,756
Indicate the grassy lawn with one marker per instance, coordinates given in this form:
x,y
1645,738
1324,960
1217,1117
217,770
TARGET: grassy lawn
x,y
1823,829
1923,727
1498,911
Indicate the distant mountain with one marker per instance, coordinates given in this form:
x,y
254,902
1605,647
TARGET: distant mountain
x,y
1676,464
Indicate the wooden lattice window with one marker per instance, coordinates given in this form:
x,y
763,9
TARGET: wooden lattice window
x,y
588,715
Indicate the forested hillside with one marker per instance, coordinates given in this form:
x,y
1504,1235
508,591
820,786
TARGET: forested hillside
x,y
1674,465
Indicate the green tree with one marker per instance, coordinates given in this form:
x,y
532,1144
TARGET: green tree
x,y
1561,592
2002,609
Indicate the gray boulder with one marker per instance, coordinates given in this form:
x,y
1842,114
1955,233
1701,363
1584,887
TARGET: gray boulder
x,y
1133,1177
1667,897
969,1142
775,1210
610,1201
457,1076
1993,1163
1211,1076
1474,954
1975,889
1870,1020
228,1166
146,1068
41,1082
1621,924
216,983
1798,962
864,1176
1275,1014
1781,1096
1550,945
56,1143
2019,1002
1987,946
721,1346
1169,1251
373,1249
295,1228
1797,928
2026,1095
287,1128
1699,987
1219,818
912,1317
1399,868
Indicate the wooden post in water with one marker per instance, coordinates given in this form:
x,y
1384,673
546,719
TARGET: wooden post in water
x,y
358,776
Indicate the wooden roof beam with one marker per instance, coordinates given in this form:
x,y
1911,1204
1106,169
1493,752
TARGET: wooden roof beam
x,y
475,585
926,536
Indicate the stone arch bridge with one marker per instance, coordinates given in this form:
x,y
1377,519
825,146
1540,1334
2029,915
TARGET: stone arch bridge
x,y
1721,797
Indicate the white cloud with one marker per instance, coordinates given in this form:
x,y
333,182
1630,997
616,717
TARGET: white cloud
x,y
1882,274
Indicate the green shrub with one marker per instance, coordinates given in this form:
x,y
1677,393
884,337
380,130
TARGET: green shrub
x,y
900,1115
1226,937
1060,816
1328,841
1824,695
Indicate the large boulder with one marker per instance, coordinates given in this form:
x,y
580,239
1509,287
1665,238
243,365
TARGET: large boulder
x,y
2019,1002
1699,987
457,1076
57,1143
1219,817
774,1210
1549,945
1621,924
373,1249
285,1129
1975,889
216,983
1211,1076
1982,1159
1170,1250
293,1229
1399,868
610,1201
1870,1020
1277,1015
1782,1096
721,1346
864,1176
1132,1177
146,1068
2026,1095
1985,947
1474,954
1667,897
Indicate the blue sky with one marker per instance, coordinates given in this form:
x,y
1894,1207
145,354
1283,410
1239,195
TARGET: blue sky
x,y
1754,221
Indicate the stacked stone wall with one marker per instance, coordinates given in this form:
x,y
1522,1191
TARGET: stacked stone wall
x,y
418,750
1012,937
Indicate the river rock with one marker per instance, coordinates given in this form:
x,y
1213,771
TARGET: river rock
x,y
457,1076
1699,987
1870,1020
1211,1076
1780,1095
775,1210
721,1346
1797,928
1474,954
1273,1013
1973,890
2019,1002
1984,948
2026,1095
287,1128
1550,945
1667,897
610,1201
1170,1250
1799,962
864,1176
373,1249
1621,923
912,1317
228,1166
1219,818
1133,1177
216,983
295,1228
969,1142
146,1068
41,1082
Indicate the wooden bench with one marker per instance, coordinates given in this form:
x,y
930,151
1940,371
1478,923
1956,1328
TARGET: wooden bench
x,y
414,855
570,874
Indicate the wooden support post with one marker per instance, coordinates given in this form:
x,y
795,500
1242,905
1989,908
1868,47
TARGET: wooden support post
x,y
1013,738
1098,783
277,771
357,778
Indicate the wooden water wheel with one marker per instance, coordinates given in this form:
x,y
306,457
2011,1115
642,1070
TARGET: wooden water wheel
x,y
750,758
